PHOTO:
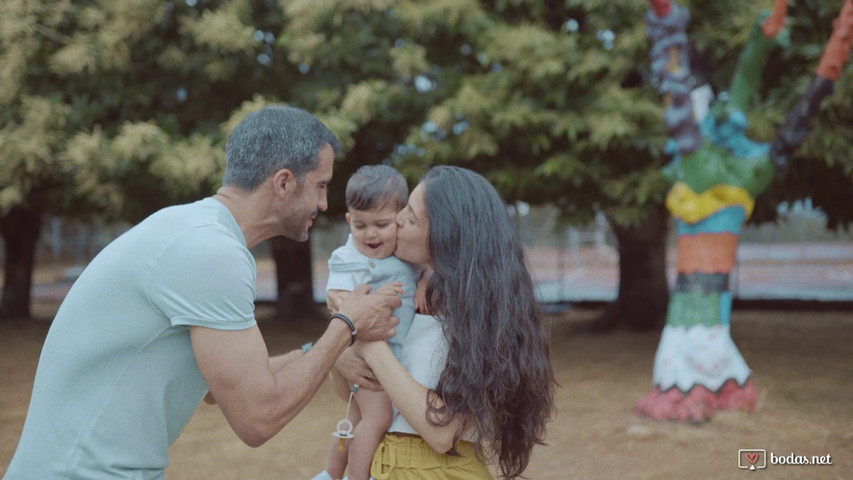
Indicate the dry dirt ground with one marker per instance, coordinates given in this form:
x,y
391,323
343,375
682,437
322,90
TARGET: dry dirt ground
x,y
803,370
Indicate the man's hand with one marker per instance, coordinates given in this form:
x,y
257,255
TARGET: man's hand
x,y
371,314
334,299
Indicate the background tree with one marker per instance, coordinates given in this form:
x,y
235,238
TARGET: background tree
x,y
560,107
107,112
357,70
552,109
551,101
524,92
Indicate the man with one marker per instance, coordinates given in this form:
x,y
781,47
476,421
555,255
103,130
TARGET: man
x,y
166,312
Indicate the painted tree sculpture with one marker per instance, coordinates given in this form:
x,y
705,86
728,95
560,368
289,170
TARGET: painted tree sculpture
x,y
716,174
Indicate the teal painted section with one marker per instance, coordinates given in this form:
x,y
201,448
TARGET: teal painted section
x,y
727,220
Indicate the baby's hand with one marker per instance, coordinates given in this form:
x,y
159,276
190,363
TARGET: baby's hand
x,y
393,288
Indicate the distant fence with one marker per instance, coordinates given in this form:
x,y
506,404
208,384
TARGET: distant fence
x,y
569,262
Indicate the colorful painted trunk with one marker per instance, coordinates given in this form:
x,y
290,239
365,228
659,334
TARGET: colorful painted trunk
x,y
716,173
698,369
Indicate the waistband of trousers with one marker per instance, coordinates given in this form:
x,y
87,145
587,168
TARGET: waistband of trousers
x,y
412,451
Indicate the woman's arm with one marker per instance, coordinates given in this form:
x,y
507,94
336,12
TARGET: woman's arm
x,y
407,394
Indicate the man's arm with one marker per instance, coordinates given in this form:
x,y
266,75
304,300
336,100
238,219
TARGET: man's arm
x,y
276,363
259,395
334,298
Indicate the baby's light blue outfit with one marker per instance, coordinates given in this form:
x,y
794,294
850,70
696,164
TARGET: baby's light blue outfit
x,y
349,268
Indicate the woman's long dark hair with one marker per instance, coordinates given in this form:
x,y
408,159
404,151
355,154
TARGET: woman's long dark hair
x,y
498,375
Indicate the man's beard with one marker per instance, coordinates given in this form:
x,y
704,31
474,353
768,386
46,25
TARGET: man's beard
x,y
297,233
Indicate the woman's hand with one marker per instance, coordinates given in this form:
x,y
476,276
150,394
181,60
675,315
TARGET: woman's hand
x,y
420,293
354,369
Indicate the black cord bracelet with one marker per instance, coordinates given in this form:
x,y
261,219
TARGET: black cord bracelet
x,y
349,323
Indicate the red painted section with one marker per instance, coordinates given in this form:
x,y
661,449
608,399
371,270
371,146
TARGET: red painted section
x,y
697,405
838,47
661,7
707,252
775,22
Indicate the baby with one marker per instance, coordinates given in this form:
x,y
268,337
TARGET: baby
x,y
374,196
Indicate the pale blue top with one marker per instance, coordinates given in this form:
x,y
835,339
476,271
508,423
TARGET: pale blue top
x,y
425,358
117,380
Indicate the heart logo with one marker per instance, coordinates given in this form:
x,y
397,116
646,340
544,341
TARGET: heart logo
x,y
751,457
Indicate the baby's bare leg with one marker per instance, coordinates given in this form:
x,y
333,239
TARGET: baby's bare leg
x,y
336,460
375,419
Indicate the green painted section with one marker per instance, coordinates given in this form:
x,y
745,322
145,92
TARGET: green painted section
x,y
751,63
714,165
687,309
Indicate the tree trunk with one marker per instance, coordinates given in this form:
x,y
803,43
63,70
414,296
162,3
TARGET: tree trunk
x,y
295,299
643,290
20,230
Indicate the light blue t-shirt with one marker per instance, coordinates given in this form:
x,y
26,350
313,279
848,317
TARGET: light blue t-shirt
x,y
349,268
117,380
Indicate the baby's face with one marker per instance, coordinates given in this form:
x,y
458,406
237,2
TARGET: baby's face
x,y
374,232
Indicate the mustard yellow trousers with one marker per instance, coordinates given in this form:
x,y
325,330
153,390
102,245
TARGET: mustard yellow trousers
x,y
411,458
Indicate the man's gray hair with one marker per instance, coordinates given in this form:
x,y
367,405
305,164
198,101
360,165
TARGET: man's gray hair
x,y
273,138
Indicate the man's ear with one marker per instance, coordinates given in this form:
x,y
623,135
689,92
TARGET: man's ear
x,y
347,217
283,182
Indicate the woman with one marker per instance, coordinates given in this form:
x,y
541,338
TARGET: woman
x,y
475,383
